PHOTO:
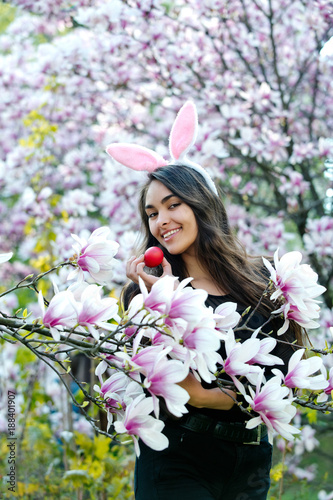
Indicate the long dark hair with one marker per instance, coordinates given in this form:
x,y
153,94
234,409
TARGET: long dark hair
x,y
218,250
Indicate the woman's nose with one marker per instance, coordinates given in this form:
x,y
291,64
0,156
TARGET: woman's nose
x,y
163,218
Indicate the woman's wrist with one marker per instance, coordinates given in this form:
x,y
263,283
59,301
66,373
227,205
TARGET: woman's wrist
x,y
217,399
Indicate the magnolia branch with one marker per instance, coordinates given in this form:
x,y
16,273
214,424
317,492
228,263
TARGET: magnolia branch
x,y
10,326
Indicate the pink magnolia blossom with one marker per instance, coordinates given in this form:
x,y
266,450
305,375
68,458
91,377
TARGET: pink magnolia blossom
x,y
141,318
295,185
197,345
93,310
160,296
307,441
187,303
304,318
94,256
296,285
293,281
60,312
308,473
161,377
190,325
118,391
184,303
138,423
319,238
275,410
300,372
148,307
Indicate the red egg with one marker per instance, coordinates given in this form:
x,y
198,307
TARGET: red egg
x,y
153,257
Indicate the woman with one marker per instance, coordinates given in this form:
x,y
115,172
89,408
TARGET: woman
x,y
188,221
211,455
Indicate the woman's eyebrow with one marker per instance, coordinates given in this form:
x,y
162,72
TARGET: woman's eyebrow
x,y
165,199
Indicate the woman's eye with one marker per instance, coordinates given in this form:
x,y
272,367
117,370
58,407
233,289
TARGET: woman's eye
x,y
174,205
150,216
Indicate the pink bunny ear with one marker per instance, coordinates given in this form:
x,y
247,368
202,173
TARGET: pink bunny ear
x,y
184,131
136,157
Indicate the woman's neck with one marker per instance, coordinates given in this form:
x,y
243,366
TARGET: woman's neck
x,y
201,277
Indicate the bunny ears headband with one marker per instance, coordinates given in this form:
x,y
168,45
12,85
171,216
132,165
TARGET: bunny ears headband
x,y
182,137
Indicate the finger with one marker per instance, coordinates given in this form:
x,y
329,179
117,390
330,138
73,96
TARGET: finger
x,y
130,260
131,269
140,270
166,267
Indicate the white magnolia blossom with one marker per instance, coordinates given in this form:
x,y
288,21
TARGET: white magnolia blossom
x,y
4,257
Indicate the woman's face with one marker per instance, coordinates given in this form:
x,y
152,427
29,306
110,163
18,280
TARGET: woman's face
x,y
171,221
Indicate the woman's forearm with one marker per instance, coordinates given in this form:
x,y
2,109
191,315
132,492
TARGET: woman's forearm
x,y
200,397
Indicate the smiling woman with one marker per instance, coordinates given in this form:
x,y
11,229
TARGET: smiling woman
x,y
183,214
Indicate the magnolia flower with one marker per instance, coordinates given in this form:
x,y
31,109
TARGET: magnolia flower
x,y
163,381
4,257
307,441
138,423
322,495
161,377
59,314
147,307
193,339
226,316
187,304
184,303
118,391
197,345
91,309
238,356
263,357
188,324
328,390
160,296
296,285
94,255
103,365
303,318
274,410
300,371
308,473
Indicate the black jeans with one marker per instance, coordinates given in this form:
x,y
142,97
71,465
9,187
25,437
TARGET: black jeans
x,y
196,466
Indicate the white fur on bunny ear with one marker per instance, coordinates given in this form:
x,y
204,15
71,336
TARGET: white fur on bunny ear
x,y
136,157
184,131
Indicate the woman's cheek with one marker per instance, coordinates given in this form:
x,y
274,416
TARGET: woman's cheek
x,y
153,230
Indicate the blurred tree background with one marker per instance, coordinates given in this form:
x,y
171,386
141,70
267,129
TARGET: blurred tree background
x,y
76,75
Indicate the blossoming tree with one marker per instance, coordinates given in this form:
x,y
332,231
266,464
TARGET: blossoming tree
x,y
78,75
